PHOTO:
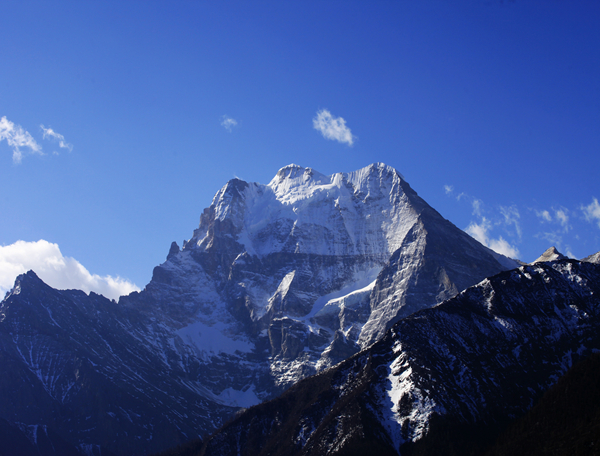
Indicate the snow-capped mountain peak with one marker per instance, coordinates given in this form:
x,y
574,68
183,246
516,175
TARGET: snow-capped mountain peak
x,y
286,249
293,182
552,254
278,282
304,211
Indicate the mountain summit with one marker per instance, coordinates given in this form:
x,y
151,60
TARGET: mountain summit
x,y
315,267
278,282
550,255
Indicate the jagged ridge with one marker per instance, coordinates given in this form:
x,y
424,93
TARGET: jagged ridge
x,y
481,357
278,282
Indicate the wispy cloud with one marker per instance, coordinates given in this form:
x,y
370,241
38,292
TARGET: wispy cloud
x,y
49,133
480,231
544,215
476,203
18,139
228,123
333,127
487,219
449,189
558,215
512,217
592,211
58,271
563,218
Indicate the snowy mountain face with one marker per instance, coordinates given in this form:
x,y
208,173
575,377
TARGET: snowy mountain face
x,y
313,267
551,255
595,258
279,281
441,378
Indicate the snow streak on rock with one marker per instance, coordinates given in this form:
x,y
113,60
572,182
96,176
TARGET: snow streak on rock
x,y
480,358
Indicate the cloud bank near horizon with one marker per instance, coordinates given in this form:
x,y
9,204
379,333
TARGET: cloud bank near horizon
x,y
481,229
58,271
558,225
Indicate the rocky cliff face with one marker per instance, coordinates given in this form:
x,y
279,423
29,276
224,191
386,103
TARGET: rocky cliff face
x,y
439,376
279,281
310,268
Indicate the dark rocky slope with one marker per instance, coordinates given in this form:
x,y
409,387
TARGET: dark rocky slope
x,y
443,380
565,422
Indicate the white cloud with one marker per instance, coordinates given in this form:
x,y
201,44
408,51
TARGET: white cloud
x,y
544,215
333,127
448,189
50,133
561,216
58,271
228,123
17,138
480,231
592,211
502,246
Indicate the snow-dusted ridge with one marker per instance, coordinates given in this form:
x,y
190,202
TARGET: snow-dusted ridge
x,y
308,253
345,213
440,377
278,282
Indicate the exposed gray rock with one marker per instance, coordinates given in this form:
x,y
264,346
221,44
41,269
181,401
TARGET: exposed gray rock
x,y
551,255
174,250
595,258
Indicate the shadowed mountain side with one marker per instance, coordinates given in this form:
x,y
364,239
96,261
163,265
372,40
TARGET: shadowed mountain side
x,y
435,261
565,422
22,440
79,365
469,365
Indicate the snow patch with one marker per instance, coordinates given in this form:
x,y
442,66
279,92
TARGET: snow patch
x,y
215,339
410,411
239,398
347,296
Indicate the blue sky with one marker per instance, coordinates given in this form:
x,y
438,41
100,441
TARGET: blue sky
x,y
114,133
